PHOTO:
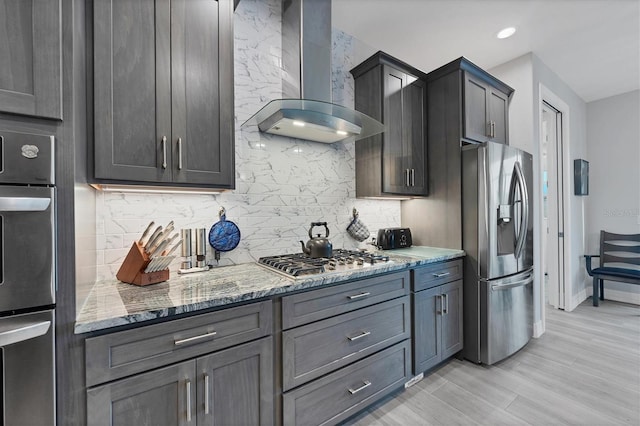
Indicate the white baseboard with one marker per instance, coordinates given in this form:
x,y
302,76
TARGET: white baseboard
x,y
538,329
576,300
618,296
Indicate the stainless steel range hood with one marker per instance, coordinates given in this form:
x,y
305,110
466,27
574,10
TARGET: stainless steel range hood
x,y
306,112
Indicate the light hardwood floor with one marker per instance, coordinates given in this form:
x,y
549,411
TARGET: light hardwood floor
x,y
584,370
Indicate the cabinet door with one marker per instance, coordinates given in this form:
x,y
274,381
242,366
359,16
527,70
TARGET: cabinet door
x,y
166,396
452,337
132,83
499,116
30,48
393,161
476,118
235,386
427,305
202,92
414,128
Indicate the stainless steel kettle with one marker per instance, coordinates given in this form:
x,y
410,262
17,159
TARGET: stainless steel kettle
x,y
318,246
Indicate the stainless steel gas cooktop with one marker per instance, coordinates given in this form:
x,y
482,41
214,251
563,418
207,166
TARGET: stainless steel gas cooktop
x,y
300,265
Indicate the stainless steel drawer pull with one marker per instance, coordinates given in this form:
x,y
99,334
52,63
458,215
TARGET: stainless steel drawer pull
x,y
188,400
206,394
192,339
164,152
441,274
363,387
359,296
359,336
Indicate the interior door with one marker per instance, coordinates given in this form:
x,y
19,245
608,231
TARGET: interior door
x,y
553,205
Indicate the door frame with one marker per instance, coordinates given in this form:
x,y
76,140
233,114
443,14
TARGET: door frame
x,y
546,95
552,259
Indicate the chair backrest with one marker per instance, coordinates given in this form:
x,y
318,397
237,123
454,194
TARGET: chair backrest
x,y
620,249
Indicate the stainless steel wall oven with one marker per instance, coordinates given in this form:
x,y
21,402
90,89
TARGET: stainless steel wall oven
x,y
27,279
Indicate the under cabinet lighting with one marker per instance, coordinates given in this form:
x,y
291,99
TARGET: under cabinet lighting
x,y
507,32
153,190
342,132
298,123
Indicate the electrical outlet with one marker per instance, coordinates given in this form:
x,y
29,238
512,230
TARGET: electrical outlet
x,y
414,380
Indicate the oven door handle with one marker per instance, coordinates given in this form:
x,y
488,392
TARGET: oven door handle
x,y
16,331
24,204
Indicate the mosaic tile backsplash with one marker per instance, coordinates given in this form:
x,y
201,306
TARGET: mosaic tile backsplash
x,y
282,184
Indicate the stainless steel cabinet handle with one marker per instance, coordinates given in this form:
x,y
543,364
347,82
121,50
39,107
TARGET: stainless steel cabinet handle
x,y
359,336
192,339
206,394
363,387
188,383
493,129
412,175
179,153
439,299
358,296
488,129
406,177
164,152
445,298
441,274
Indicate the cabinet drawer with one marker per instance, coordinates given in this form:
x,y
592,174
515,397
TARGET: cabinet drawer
x,y
343,393
120,354
436,274
319,348
303,308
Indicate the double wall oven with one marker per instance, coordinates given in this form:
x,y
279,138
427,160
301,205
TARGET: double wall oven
x,y
27,279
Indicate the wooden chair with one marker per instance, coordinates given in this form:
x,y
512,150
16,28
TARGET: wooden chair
x,y
619,261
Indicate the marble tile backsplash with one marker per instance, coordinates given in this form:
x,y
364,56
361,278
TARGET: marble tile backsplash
x,y
282,184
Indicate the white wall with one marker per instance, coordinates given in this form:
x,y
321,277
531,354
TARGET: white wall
x,y
282,184
613,152
525,74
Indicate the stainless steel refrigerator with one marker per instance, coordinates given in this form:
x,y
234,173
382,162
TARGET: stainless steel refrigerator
x,y
497,235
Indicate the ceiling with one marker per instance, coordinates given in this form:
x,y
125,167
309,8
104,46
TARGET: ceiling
x,y
592,45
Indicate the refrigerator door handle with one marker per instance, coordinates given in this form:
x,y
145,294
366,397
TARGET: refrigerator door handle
x,y
524,198
520,283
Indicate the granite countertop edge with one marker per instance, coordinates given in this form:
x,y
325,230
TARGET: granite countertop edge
x,y
112,303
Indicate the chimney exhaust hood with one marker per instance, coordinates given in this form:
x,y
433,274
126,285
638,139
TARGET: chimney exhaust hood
x,y
306,112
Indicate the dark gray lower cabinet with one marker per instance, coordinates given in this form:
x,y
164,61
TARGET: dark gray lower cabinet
x,y
352,348
235,386
161,397
342,393
229,387
437,325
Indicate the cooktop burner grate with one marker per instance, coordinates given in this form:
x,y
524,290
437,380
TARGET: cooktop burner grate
x,y
299,264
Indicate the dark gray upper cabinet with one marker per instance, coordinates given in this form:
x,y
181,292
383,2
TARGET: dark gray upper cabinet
x,y
392,163
163,92
30,48
486,110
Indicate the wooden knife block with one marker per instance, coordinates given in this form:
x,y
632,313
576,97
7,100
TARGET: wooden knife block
x,y
132,269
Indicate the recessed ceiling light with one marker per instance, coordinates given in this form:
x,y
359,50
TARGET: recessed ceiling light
x,y
507,32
